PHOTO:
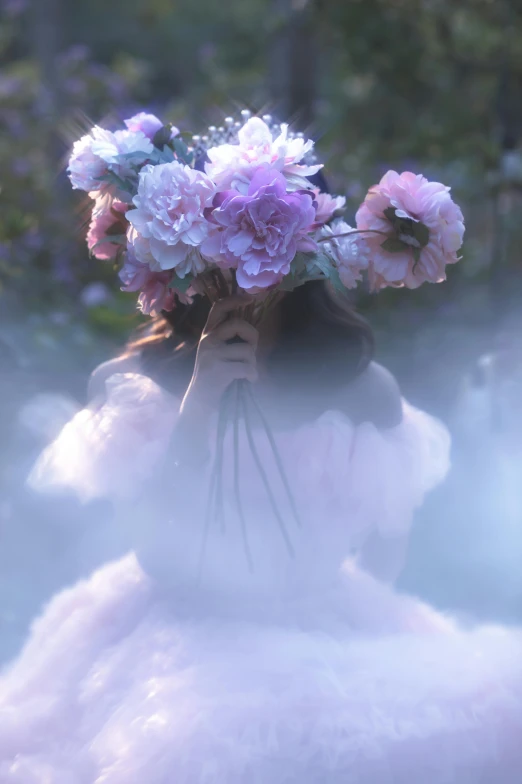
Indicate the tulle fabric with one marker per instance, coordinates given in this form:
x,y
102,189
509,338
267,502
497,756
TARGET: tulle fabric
x,y
359,477
122,683
118,686
110,448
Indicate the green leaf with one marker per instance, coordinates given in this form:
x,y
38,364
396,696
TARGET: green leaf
x,y
421,234
290,282
181,284
166,155
394,245
319,260
182,151
136,155
115,239
124,185
335,280
416,256
161,156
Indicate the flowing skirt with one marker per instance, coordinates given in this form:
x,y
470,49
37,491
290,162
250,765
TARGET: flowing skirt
x,y
118,686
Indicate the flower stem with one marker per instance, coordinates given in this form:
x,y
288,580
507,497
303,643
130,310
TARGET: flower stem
x,y
275,451
215,506
237,487
264,478
349,234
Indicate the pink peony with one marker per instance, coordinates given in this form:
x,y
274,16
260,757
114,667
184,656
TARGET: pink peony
x,y
148,124
234,165
424,229
168,217
327,206
259,233
350,254
155,293
104,220
97,152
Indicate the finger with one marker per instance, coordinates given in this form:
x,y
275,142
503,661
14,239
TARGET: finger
x,y
223,307
236,328
237,352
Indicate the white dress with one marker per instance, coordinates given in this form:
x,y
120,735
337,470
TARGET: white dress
x,y
307,672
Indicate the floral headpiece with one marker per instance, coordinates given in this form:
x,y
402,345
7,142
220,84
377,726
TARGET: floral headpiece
x,y
173,210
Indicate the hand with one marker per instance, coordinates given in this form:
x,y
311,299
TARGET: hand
x,y
218,361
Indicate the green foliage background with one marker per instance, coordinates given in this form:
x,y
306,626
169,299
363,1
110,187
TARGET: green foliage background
x,y
429,85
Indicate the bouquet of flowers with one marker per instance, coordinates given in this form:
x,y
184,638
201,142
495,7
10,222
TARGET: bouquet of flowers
x,y
236,209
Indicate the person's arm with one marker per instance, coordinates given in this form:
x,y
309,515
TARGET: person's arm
x,y
171,513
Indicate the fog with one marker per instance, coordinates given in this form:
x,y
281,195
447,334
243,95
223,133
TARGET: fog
x,y
465,551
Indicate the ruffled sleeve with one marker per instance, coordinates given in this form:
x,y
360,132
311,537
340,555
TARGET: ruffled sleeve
x,y
406,462
369,479
109,449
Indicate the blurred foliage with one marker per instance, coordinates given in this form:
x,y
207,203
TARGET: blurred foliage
x,y
429,85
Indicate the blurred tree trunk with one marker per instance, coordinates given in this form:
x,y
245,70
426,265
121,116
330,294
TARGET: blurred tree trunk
x,y
293,61
46,26
506,201
46,33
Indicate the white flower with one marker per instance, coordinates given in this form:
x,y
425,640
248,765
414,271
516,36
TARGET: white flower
x,y
168,221
108,146
349,254
97,152
327,206
233,165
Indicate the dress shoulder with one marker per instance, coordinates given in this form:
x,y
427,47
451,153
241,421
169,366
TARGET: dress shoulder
x,y
109,448
125,364
375,477
374,396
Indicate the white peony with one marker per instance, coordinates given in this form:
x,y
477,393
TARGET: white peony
x,y
168,222
97,153
233,165
349,254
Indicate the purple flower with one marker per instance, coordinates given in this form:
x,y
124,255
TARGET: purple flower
x,y
259,233
148,124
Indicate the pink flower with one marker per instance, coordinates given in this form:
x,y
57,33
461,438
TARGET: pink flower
x,y
107,215
97,152
148,124
234,165
326,206
259,233
168,218
350,254
423,230
155,293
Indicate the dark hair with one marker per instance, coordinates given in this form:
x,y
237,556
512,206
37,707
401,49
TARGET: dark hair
x,y
321,338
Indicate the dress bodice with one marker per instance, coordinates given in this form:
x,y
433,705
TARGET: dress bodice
x,y
347,480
